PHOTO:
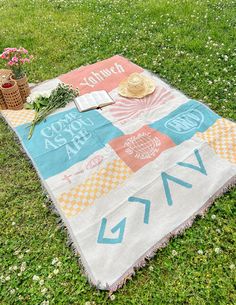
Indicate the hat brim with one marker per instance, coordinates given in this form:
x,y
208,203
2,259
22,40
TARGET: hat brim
x,y
149,87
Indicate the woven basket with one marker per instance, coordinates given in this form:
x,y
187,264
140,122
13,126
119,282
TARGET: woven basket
x,y
5,75
12,96
3,105
23,87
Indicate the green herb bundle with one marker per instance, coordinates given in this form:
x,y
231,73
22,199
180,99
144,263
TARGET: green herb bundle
x,y
43,106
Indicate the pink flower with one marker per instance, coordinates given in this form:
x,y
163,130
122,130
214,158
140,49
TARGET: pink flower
x,y
11,63
10,49
4,55
14,59
23,50
24,60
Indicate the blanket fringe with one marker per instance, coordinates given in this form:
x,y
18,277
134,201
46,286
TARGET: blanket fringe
x,y
70,243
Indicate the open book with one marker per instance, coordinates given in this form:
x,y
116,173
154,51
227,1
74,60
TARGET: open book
x,y
93,100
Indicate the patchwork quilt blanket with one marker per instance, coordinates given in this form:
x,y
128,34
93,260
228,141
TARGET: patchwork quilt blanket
x,y
127,177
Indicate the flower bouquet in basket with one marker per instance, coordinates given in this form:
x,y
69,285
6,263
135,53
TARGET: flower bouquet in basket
x,y
15,59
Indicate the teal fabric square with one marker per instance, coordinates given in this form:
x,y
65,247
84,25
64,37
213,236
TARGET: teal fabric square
x,y
66,138
182,123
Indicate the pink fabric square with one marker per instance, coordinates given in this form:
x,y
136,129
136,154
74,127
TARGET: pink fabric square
x,y
141,147
103,75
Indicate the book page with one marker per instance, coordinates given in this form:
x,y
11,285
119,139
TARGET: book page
x,y
93,100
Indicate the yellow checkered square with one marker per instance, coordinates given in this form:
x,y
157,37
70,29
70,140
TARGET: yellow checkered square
x,y
18,117
221,136
100,183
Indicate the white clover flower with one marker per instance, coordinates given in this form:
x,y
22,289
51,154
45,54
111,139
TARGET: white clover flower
x,y
213,216
16,252
226,57
174,253
56,271
112,297
44,290
45,303
41,282
12,291
23,266
7,278
13,223
232,266
35,278
151,268
217,250
55,260
200,252
87,303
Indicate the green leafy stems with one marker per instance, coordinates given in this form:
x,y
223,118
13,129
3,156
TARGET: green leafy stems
x,y
43,106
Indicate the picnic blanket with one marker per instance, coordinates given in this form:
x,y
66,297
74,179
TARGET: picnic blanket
x,y
127,177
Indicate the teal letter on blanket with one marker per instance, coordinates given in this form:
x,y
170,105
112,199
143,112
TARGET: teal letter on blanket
x,y
165,177
199,168
147,204
66,138
119,227
182,123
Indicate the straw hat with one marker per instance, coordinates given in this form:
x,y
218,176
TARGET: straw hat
x,y
136,86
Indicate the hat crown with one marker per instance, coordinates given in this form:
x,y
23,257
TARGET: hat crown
x,y
135,83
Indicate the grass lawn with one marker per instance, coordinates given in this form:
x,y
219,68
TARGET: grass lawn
x,y
191,44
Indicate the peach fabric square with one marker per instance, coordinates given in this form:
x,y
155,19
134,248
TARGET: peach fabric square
x,y
141,147
103,75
